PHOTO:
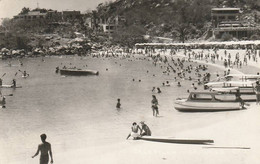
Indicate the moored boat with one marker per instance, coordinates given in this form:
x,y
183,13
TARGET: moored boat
x,y
207,102
78,72
10,86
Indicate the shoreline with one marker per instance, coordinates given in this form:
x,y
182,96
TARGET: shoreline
x,y
235,129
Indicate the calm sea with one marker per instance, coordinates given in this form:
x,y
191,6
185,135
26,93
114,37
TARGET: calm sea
x,y
80,112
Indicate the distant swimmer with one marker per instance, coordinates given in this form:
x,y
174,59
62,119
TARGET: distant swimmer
x,y
159,90
25,74
167,84
118,105
14,83
145,130
134,131
45,149
179,84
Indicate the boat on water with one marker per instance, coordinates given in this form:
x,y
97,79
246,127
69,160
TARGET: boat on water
x,y
207,102
78,72
10,86
247,94
243,77
175,140
245,87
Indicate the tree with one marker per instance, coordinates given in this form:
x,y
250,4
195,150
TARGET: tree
x,y
25,10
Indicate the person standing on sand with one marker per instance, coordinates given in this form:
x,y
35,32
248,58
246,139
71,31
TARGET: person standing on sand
x,y
45,149
257,92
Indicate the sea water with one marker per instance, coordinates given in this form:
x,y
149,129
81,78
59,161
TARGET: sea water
x,y
80,111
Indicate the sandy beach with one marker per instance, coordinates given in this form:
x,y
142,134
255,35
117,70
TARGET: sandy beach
x,y
235,140
234,133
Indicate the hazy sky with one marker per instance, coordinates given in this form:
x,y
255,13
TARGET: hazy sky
x,y
9,8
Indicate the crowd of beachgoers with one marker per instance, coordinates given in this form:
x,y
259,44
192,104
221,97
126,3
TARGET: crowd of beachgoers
x,y
181,64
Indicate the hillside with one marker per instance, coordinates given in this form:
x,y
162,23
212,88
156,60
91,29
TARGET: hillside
x,y
167,20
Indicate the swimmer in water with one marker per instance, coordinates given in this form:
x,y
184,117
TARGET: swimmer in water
x,y
118,105
159,90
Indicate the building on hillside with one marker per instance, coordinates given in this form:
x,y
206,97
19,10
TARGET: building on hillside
x,y
54,15
107,25
70,15
228,21
31,15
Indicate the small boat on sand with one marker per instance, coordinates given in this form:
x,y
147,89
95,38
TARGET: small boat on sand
x,y
175,140
207,102
78,72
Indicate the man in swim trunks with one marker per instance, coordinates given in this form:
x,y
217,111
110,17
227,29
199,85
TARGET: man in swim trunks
x,y
45,149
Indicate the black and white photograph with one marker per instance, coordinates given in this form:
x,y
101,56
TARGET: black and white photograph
x,y
129,81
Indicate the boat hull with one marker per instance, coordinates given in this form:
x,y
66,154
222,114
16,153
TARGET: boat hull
x,y
174,140
78,72
186,106
10,86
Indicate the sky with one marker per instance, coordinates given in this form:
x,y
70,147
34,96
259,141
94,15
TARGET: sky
x,y
9,8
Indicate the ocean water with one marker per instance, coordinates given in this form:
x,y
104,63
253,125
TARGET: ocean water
x,y
80,112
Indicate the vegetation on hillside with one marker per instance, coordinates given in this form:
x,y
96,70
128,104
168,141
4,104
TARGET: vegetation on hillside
x,y
179,20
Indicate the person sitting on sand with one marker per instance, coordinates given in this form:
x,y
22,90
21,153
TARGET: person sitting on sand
x,y
153,89
145,130
179,84
45,149
134,131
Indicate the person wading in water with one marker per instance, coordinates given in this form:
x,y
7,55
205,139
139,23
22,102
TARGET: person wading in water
x,y
45,149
